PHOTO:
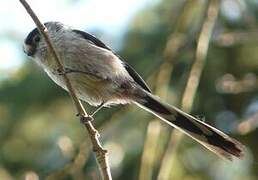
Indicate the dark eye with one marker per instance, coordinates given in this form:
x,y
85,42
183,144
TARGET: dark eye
x,y
36,39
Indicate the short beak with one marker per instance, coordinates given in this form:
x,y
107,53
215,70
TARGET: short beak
x,y
28,49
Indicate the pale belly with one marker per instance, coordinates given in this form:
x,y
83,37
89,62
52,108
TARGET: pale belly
x,y
91,89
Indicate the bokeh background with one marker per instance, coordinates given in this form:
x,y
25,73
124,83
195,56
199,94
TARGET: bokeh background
x,y
201,56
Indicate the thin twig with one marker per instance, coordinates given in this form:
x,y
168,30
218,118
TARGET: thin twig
x,y
192,83
75,167
100,153
150,145
201,54
175,41
152,139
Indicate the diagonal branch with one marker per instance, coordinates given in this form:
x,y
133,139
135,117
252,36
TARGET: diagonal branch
x,y
176,40
100,153
192,83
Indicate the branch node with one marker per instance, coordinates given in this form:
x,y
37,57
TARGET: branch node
x,y
86,119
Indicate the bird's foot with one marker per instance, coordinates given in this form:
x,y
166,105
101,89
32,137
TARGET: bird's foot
x,y
89,117
86,119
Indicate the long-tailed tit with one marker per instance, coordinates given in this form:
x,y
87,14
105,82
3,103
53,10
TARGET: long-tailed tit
x,y
100,77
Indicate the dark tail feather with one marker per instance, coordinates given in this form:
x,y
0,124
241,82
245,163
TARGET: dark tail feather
x,y
212,138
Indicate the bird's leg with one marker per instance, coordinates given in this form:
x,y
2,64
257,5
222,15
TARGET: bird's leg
x,y
90,116
97,109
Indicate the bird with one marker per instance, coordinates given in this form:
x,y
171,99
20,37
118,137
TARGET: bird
x,y
102,78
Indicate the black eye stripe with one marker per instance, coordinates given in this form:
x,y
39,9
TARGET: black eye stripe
x,y
31,36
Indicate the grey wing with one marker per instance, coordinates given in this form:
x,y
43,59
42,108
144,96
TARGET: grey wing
x,y
89,73
92,38
136,77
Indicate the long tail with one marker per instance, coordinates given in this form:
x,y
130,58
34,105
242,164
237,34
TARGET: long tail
x,y
210,137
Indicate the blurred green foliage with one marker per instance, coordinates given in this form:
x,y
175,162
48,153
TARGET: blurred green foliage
x,y
40,135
